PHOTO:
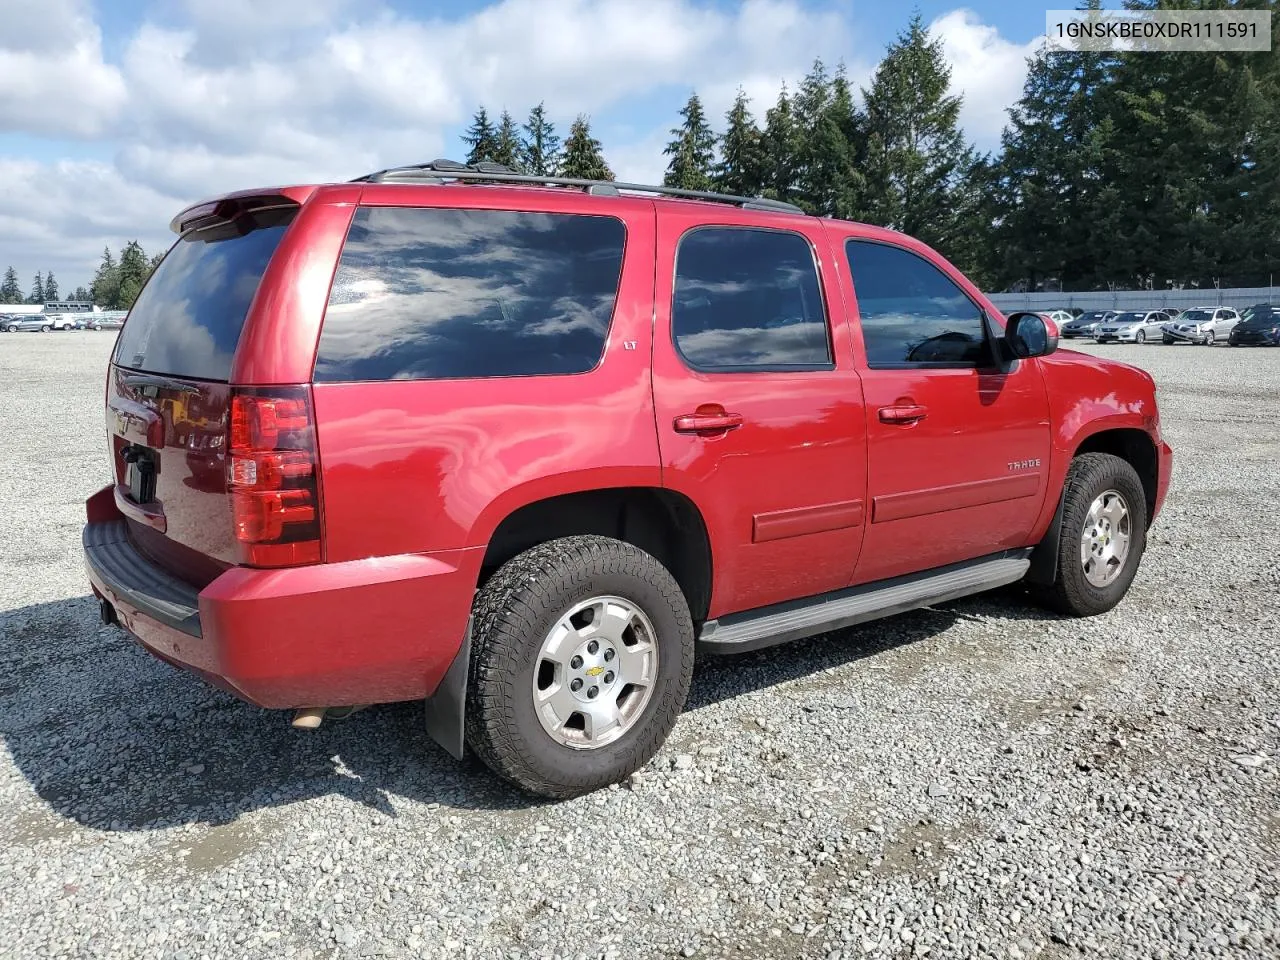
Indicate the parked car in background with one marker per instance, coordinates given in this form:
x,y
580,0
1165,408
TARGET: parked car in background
x,y
62,321
1201,325
1060,317
1086,324
28,323
303,505
107,320
1133,326
1259,326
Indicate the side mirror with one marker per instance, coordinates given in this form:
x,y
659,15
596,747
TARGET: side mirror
x,y
1030,335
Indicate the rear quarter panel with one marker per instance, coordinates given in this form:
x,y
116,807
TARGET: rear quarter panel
x,y
434,465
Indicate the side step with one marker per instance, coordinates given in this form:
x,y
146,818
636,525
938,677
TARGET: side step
x,y
741,632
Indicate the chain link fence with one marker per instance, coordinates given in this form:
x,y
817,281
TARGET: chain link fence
x,y
1238,297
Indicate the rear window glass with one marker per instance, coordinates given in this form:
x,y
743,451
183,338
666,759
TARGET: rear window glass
x,y
187,321
425,293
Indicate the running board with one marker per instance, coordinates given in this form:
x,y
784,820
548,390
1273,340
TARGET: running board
x,y
740,632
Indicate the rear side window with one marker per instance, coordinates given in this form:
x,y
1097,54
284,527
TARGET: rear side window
x,y
424,293
748,299
188,318
911,312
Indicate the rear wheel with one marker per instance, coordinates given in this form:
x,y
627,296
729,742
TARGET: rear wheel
x,y
1102,539
582,654
45,329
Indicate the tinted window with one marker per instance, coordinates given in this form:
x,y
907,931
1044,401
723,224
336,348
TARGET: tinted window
x,y
188,319
430,294
911,312
748,299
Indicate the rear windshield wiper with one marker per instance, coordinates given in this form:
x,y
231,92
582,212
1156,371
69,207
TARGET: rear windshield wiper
x,y
161,383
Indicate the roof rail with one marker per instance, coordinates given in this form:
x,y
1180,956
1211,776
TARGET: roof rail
x,y
439,171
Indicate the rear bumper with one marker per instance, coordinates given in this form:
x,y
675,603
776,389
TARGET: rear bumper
x,y
368,631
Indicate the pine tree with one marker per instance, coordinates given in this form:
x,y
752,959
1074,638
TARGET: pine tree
x,y
782,143
105,289
37,290
50,286
741,167
693,151
10,292
480,138
1050,193
81,295
828,179
507,146
540,148
133,271
916,154
582,154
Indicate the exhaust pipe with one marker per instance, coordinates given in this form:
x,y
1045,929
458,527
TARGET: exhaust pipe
x,y
108,613
308,718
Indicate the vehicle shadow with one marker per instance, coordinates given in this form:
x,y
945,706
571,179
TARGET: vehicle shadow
x,y
116,740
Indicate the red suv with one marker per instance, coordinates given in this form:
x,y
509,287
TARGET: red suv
x,y
517,447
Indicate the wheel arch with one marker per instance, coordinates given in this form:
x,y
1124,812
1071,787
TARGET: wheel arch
x,y
1133,445
665,524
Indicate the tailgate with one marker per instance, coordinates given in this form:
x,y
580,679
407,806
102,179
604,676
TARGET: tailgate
x,y
168,446
168,398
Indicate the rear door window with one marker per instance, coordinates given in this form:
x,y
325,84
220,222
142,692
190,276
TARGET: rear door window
x,y
188,318
748,300
431,293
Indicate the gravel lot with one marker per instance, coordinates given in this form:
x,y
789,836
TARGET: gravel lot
x,y
980,779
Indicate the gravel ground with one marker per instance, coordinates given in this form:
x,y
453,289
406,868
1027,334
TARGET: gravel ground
x,y
976,780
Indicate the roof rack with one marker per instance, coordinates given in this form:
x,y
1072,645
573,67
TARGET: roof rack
x,y
439,171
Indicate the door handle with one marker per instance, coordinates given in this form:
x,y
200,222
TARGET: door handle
x,y
707,422
904,413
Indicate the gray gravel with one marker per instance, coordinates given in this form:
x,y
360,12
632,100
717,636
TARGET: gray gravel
x,y
975,780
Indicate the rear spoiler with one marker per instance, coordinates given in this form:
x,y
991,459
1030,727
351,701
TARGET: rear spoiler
x,y
233,205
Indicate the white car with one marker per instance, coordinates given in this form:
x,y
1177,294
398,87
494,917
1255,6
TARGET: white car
x,y
62,321
1133,326
1201,325
1061,317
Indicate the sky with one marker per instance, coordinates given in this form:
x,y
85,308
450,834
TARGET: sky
x,y
116,114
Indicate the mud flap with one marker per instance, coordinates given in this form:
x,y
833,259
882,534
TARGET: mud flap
x,y
1044,558
446,708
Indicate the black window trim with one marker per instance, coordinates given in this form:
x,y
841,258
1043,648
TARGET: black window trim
x,y
753,368
608,332
989,340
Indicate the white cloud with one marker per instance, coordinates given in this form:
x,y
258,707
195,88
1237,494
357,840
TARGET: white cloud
x,y
59,216
53,80
212,95
988,69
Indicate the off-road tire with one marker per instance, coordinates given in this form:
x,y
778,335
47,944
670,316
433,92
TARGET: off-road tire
x,y
1089,476
512,614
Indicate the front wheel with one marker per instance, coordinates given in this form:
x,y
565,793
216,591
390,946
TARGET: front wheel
x,y
1102,538
1167,341
1208,339
1140,337
581,659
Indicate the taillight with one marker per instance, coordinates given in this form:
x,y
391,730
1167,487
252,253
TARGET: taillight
x,y
271,475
